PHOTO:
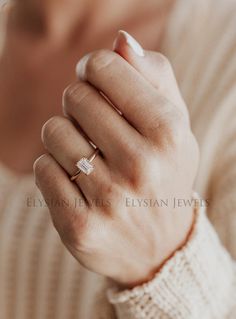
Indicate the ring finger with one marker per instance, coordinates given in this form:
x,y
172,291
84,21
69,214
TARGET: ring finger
x,y
64,142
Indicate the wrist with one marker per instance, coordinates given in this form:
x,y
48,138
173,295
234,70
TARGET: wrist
x,y
146,272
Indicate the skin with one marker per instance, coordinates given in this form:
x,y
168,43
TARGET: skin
x,y
149,152
37,55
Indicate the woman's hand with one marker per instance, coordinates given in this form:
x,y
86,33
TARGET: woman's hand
x,y
120,221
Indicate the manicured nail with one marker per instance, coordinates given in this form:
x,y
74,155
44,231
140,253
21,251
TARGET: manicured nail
x,y
81,66
132,43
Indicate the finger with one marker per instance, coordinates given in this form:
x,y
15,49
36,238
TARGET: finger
x,y
100,121
66,204
68,146
128,90
154,67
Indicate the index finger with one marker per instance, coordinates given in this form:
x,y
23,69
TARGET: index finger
x,y
140,103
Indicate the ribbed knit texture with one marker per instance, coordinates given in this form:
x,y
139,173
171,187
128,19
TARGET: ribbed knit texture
x,y
199,281
39,279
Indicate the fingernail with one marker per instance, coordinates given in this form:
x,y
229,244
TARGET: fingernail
x,y
132,43
81,66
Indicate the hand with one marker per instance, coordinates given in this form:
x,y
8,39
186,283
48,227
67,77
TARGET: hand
x,y
147,153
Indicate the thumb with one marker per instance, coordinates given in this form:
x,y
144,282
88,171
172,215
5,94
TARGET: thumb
x,y
151,65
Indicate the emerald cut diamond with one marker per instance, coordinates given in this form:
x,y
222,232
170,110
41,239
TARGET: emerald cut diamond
x,y
85,166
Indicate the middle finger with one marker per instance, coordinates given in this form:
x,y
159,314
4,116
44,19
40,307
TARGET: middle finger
x,y
103,125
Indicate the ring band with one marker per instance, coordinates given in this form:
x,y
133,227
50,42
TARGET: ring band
x,y
85,165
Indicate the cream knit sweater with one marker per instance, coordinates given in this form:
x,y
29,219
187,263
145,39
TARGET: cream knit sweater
x,y
39,279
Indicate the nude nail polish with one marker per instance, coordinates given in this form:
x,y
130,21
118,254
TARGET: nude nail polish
x,y
133,44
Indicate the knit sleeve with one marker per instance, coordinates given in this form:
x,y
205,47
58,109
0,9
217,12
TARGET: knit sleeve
x,y
199,281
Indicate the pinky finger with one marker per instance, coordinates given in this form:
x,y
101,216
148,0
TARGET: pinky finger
x,y
66,203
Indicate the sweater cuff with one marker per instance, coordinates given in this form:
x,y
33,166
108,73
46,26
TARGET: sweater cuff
x,y
197,281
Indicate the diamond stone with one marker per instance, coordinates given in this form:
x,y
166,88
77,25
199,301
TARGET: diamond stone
x,y
85,166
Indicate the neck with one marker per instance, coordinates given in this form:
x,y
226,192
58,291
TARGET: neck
x,y
38,61
58,19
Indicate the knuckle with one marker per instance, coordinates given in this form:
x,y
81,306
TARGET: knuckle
x,y
110,191
138,168
164,70
74,95
52,128
174,129
97,61
163,61
168,125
